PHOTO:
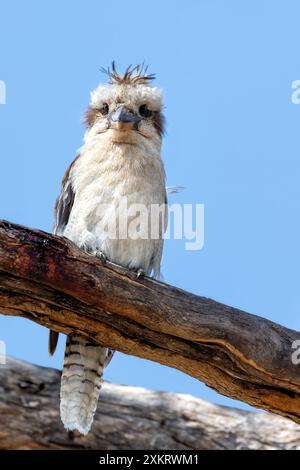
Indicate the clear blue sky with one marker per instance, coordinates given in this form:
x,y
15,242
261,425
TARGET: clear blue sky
x,y
232,140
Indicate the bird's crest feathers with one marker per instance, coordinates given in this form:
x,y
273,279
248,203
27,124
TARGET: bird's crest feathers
x,y
133,75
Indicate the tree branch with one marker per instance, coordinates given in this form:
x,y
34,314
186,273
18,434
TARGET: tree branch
x,y
49,280
129,418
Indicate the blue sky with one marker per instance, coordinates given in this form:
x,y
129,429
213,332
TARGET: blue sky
x,y
232,141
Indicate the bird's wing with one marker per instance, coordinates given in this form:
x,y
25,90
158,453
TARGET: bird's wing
x,y
62,211
64,203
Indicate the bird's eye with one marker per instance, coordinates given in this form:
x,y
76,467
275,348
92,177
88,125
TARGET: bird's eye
x,y
144,111
104,110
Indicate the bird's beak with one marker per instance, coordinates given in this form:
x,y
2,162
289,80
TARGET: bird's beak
x,y
122,119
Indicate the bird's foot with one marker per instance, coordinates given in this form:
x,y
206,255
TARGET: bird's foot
x,y
140,273
99,254
102,256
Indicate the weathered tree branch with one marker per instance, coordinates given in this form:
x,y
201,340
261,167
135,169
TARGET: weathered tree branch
x,y
50,281
129,418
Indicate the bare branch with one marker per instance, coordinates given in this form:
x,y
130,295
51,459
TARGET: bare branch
x,y
129,418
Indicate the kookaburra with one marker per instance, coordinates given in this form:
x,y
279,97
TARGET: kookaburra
x,y
120,159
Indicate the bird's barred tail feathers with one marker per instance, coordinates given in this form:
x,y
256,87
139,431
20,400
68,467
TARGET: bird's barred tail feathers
x,y
81,382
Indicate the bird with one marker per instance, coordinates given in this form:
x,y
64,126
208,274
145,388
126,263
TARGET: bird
x,y
120,160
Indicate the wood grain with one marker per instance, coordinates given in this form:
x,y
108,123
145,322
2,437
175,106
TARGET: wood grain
x,y
129,418
49,280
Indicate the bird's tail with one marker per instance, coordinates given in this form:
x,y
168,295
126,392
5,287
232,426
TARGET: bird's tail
x,y
81,382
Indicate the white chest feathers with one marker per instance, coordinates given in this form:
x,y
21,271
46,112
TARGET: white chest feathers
x,y
119,205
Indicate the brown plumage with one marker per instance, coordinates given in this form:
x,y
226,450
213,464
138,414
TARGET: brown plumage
x,y
90,116
63,207
53,338
159,123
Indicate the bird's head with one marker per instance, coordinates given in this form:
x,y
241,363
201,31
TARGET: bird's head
x,y
127,110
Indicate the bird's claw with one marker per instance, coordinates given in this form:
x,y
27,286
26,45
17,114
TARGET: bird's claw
x,y
102,256
140,273
99,254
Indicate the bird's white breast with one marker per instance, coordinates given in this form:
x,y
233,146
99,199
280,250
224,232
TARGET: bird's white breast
x,y
105,179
